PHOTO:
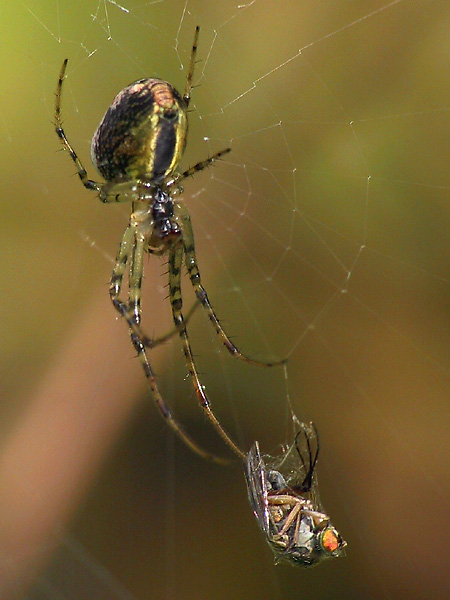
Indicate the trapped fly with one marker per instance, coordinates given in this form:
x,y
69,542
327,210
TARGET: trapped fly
x,y
283,494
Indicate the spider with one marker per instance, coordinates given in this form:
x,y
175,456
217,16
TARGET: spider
x,y
287,505
137,148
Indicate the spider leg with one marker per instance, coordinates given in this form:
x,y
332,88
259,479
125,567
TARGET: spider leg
x,y
201,165
175,263
187,98
135,278
129,253
152,343
131,250
200,292
125,254
188,87
82,174
165,411
115,285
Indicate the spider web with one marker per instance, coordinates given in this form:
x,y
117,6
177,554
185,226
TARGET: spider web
x,y
322,237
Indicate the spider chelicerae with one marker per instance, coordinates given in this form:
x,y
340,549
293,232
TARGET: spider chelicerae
x,y
137,148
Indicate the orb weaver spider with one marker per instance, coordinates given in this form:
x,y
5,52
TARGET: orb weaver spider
x,y
137,148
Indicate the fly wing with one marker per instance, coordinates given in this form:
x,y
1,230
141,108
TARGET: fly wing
x,y
257,486
309,448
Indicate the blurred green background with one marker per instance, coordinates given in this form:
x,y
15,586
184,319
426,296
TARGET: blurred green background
x,y
323,237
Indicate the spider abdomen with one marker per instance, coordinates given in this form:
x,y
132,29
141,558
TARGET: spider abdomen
x,y
143,133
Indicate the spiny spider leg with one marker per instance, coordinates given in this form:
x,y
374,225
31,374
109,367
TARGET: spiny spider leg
x,y
202,165
200,292
165,410
175,264
134,312
127,312
135,277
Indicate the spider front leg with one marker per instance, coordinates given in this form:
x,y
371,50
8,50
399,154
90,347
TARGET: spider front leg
x,y
200,292
175,264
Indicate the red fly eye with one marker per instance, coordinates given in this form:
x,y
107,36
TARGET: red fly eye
x,y
330,540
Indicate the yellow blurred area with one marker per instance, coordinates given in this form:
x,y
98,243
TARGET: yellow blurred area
x,y
322,237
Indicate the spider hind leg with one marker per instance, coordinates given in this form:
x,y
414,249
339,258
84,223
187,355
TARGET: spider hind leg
x,y
202,296
175,264
131,251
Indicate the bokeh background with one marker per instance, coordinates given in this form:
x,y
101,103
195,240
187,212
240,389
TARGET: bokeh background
x,y
323,237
